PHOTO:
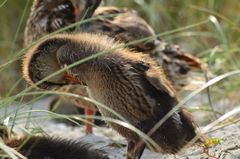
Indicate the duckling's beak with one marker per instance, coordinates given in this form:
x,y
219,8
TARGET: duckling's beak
x,y
71,79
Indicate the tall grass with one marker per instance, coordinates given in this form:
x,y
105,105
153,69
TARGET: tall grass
x,y
208,29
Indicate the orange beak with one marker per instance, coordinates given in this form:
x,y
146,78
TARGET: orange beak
x,y
71,79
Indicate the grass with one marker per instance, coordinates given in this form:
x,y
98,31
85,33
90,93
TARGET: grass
x,y
208,29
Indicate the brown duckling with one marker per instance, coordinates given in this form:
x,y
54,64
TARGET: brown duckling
x,y
40,147
128,82
43,147
47,16
124,25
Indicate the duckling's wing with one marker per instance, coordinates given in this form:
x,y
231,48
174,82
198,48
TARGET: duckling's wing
x,y
161,95
157,89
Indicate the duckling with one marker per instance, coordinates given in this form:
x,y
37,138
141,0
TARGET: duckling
x,y
42,147
123,25
130,83
39,147
47,16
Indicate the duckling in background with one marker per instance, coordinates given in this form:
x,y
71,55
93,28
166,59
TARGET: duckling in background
x,y
128,82
47,16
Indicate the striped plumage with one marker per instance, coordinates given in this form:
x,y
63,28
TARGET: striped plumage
x,y
128,82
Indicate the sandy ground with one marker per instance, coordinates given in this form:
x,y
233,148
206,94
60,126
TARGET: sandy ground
x,y
115,146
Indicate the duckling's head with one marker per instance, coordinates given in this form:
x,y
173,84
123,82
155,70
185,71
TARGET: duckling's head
x,y
41,62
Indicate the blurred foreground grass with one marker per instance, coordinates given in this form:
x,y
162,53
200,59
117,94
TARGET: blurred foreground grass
x,y
216,42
